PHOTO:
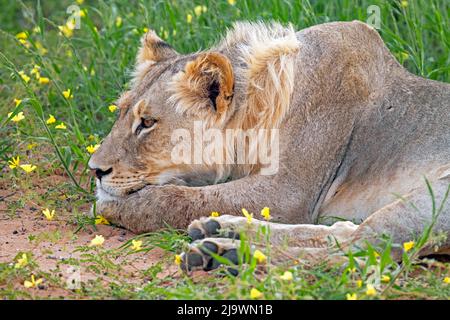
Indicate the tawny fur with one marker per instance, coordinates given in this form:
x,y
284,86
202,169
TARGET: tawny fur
x,y
355,129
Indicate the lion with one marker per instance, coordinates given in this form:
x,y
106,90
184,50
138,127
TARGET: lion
x,y
358,136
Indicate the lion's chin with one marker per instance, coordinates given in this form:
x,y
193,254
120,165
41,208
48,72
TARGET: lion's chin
x,y
105,195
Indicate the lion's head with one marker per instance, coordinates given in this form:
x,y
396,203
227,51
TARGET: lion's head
x,y
239,84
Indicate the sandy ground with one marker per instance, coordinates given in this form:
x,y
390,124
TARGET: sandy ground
x,y
54,241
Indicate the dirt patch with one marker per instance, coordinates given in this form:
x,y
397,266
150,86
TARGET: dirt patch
x,y
23,228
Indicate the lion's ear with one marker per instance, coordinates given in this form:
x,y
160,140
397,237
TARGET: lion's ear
x,y
154,49
207,81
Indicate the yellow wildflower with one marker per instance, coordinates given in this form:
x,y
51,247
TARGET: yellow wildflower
x,y
91,149
97,241
178,259
24,76
18,117
25,43
48,214
44,80
351,296
112,108
118,22
255,293
33,283
214,214
136,245
371,291
17,102
22,35
61,126
359,283
66,30
259,256
68,94
385,278
101,220
189,18
28,167
51,119
80,1
447,280
14,163
145,29
36,71
31,146
265,212
404,3
249,216
21,262
408,245
287,276
198,10
231,2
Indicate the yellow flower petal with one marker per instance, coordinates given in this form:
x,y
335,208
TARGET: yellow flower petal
x,y
18,117
231,2
28,167
44,80
255,293
22,35
97,241
287,276
447,280
101,220
265,212
408,245
112,108
61,126
91,149
17,102
259,256
48,214
249,216
178,259
51,119
189,18
136,245
385,278
67,94
214,214
21,262
351,296
14,162
371,291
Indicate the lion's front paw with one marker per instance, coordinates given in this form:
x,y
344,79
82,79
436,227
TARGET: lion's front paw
x,y
202,254
225,226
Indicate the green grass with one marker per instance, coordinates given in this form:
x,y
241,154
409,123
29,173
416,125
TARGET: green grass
x,y
95,63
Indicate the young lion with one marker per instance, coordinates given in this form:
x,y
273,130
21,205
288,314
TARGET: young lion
x,y
355,132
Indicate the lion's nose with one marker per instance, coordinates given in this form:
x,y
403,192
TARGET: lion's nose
x,y
99,173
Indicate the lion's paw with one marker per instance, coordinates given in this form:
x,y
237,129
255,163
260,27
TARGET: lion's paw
x,y
200,255
207,227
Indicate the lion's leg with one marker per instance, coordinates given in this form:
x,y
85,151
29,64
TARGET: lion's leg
x,y
403,220
156,207
406,219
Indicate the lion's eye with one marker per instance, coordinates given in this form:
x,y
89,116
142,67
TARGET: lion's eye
x,y
146,123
